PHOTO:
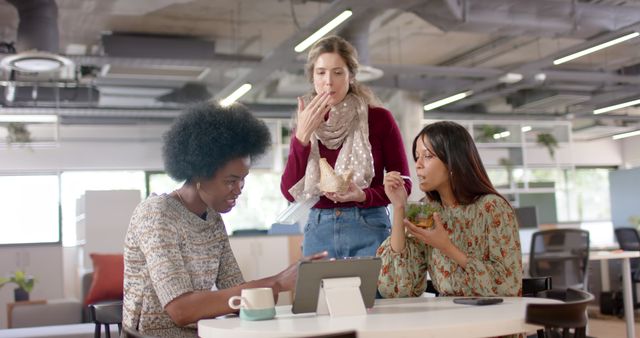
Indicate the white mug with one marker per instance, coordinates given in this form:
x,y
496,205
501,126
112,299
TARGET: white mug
x,y
254,304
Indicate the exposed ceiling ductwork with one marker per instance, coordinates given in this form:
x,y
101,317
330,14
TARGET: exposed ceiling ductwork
x,y
432,48
38,26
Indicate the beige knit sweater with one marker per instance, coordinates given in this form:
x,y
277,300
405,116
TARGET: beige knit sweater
x,y
170,251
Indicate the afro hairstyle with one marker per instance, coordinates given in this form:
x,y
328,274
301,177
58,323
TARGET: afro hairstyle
x,y
206,136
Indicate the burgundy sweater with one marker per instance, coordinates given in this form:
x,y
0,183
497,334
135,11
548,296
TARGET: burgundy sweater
x,y
388,155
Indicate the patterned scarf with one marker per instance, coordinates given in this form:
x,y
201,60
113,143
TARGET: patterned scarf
x,y
347,126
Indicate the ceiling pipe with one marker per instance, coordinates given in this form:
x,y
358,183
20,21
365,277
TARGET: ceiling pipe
x,y
357,33
38,25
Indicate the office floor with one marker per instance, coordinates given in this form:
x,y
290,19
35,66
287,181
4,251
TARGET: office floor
x,y
603,326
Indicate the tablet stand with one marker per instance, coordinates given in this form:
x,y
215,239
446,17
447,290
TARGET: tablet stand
x,y
340,297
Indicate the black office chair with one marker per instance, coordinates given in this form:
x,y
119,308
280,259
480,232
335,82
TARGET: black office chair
x,y
532,286
560,319
562,254
106,313
629,240
431,289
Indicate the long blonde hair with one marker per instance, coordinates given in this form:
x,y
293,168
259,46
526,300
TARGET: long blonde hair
x,y
340,46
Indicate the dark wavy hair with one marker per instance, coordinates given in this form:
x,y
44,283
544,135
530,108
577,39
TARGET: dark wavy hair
x,y
453,145
207,136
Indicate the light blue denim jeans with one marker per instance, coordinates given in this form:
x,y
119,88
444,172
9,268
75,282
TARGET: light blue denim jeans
x,y
346,232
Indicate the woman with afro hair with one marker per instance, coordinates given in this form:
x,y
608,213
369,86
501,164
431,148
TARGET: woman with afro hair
x,y
176,248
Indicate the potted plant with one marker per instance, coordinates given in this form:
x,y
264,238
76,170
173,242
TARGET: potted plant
x,y
17,132
487,133
24,282
549,141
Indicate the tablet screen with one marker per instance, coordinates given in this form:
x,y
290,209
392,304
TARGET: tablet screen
x,y
311,273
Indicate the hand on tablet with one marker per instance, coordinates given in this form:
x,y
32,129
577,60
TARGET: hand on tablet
x,y
286,280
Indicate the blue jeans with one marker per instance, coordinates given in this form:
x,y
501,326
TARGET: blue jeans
x,y
346,232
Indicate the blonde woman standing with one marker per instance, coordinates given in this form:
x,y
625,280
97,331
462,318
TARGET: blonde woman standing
x,y
341,121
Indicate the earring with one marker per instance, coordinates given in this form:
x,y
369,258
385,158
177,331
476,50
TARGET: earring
x,y
198,186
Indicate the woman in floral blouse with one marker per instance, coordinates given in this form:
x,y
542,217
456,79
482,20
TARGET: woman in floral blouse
x,y
474,248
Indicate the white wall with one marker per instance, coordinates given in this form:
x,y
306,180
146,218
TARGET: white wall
x,y
631,152
83,156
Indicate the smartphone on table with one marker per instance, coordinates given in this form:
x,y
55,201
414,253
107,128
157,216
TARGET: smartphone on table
x,y
478,300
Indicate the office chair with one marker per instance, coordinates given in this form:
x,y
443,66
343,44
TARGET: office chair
x,y
431,289
559,319
562,254
106,313
629,240
532,286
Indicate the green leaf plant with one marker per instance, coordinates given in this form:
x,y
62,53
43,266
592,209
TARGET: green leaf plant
x,y
19,278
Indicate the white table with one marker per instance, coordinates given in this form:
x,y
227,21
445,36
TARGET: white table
x,y
627,293
404,317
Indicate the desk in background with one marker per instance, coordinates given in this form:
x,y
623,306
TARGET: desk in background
x,y
406,317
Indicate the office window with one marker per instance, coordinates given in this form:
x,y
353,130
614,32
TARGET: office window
x,y
588,194
159,182
259,204
256,208
74,184
30,211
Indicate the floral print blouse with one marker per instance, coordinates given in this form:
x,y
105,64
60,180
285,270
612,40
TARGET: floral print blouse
x,y
486,231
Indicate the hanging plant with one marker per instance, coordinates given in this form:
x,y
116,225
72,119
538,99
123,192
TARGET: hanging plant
x,y
549,141
17,133
488,131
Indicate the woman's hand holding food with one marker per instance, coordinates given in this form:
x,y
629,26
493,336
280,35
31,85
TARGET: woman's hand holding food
x,y
438,237
353,194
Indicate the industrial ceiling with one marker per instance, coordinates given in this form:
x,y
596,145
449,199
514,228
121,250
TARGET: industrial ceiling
x,y
144,59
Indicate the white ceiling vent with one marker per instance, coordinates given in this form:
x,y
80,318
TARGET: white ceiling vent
x,y
176,73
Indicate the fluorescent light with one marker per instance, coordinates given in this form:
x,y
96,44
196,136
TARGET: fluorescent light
x,y
617,106
511,78
625,135
227,101
501,135
323,31
29,118
596,48
447,100
526,129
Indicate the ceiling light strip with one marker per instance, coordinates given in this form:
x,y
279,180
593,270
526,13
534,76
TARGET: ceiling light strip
x,y
29,118
447,100
625,135
342,17
616,106
596,48
227,101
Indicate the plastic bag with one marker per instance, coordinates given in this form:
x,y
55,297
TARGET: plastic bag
x,y
297,212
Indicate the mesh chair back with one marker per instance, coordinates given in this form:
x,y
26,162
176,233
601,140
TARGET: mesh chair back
x,y
562,254
629,240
